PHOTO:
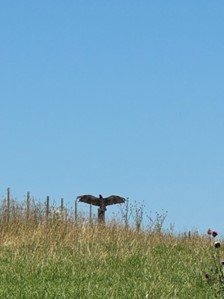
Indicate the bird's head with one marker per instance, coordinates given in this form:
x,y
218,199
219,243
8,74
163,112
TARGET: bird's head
x,y
100,196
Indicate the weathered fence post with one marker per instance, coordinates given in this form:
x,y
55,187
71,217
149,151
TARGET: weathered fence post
x,y
8,204
101,213
76,209
126,214
63,214
62,206
28,206
90,213
47,207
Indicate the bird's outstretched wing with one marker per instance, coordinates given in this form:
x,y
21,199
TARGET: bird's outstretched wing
x,y
90,199
114,199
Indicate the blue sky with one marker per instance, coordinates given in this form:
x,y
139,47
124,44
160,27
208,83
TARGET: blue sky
x,y
115,97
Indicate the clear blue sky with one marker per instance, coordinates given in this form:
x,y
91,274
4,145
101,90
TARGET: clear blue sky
x,y
115,97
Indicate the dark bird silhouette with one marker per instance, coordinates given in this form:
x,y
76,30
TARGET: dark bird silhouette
x,y
101,201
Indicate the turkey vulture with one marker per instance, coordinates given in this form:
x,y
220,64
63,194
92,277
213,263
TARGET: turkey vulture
x,y
101,201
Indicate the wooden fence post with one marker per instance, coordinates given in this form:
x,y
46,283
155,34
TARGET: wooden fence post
x,y
76,209
28,206
126,214
47,207
90,213
8,204
62,216
62,206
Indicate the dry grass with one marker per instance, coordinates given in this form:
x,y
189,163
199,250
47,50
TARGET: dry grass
x,y
64,258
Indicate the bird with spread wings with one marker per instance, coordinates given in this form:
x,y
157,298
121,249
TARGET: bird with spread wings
x,y
99,201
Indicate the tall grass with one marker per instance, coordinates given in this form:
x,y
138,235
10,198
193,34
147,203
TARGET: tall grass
x,y
59,257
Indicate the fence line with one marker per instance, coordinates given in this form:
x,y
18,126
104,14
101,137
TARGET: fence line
x,y
31,210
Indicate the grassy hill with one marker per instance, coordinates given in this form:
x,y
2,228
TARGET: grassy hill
x,y
66,259
53,253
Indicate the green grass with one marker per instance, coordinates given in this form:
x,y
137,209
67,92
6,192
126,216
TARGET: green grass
x,y
63,259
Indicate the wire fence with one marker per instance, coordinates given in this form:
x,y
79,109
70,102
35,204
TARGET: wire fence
x,y
45,211
40,211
